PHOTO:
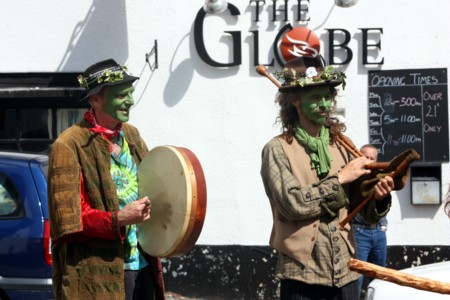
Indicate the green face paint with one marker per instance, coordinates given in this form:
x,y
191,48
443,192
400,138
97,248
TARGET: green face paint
x,y
316,103
119,99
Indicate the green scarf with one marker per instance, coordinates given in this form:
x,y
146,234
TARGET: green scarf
x,y
318,148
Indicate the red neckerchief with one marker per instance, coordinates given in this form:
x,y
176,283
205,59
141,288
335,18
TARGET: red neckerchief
x,y
104,132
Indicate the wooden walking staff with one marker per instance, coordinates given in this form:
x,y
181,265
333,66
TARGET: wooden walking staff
x,y
399,277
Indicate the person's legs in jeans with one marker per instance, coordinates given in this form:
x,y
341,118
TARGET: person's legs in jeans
x,y
364,244
379,249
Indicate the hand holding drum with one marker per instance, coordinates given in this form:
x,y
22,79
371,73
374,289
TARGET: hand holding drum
x,y
135,212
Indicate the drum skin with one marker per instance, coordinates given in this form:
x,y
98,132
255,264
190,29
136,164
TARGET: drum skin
x,y
173,179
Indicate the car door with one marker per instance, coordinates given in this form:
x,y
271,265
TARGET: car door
x,y
21,223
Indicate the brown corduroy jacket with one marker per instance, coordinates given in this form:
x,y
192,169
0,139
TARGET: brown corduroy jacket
x,y
90,269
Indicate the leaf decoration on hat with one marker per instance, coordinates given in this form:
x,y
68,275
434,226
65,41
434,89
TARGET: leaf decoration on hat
x,y
311,76
108,75
111,76
83,82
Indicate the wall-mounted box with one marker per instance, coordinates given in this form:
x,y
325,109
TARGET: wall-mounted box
x,y
425,185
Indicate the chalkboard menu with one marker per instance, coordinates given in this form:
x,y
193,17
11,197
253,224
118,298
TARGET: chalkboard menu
x,y
408,109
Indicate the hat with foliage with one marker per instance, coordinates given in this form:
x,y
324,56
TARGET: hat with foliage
x,y
308,71
104,73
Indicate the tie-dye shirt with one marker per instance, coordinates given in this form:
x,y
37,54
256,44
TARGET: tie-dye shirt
x,y
124,175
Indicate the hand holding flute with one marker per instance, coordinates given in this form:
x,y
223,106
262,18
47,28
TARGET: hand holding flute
x,y
357,168
393,178
353,170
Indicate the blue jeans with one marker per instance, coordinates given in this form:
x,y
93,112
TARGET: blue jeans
x,y
370,246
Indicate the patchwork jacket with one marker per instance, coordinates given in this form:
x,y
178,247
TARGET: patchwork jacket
x,y
91,269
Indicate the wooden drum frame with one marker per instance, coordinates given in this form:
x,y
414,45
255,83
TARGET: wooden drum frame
x,y
173,179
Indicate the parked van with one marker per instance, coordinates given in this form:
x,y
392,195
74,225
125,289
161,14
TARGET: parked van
x,y
25,246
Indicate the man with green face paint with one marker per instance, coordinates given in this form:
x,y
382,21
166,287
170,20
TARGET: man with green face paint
x,y
119,99
93,197
308,179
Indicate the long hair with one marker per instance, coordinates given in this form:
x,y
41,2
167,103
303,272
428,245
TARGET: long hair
x,y
288,116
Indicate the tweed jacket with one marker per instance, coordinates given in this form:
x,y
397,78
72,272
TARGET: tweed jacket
x,y
90,269
296,193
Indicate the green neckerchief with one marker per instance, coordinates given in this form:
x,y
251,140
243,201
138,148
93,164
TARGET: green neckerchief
x,y
318,148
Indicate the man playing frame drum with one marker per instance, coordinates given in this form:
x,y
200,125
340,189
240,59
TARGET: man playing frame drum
x,y
93,197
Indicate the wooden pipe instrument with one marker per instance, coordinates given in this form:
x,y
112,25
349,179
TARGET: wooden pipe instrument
x,y
262,70
397,168
349,146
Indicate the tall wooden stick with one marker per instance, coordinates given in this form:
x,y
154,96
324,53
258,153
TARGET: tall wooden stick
x,y
399,277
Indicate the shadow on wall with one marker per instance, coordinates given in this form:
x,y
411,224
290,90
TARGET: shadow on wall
x,y
180,77
182,70
100,35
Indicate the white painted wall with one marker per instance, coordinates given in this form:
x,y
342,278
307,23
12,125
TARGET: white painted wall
x,y
225,116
